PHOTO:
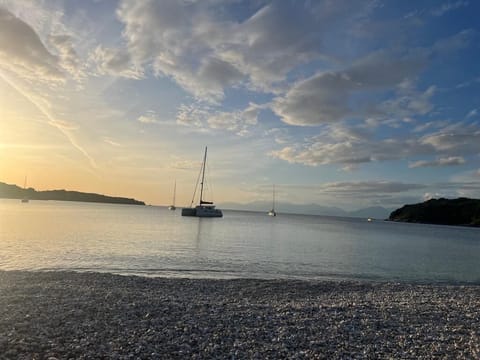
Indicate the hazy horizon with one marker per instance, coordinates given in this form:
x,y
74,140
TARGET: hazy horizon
x,y
342,104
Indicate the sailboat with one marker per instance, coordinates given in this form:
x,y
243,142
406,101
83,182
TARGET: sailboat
x,y
173,207
272,212
25,198
204,208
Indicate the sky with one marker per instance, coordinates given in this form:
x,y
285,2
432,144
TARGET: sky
x,y
338,103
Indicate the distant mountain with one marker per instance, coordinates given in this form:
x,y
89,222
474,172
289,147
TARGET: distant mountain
x,y
376,212
461,211
14,192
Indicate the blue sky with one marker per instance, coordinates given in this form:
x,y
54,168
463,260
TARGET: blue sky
x,y
339,103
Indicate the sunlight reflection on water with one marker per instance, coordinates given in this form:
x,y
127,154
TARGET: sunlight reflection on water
x,y
153,241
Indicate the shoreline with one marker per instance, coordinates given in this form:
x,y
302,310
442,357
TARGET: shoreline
x,y
95,315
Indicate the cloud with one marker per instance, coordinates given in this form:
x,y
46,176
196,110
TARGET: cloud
x,y
448,161
280,135
148,118
408,102
116,62
179,40
431,125
22,51
45,108
184,165
457,139
327,96
468,83
453,43
192,115
69,60
205,48
206,117
449,6
386,192
472,113
375,187
111,142
349,147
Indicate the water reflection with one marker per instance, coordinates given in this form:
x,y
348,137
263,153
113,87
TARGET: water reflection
x,y
156,241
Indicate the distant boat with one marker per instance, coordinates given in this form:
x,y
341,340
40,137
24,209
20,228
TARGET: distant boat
x,y
204,208
272,212
369,219
173,207
25,198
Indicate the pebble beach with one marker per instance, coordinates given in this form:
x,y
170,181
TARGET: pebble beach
x,y
67,315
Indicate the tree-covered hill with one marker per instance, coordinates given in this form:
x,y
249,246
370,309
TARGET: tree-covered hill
x,y
461,211
16,192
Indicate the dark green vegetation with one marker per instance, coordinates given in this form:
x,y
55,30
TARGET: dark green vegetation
x,y
461,211
14,192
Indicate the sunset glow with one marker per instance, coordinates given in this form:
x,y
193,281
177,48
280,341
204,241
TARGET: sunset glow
x,y
346,103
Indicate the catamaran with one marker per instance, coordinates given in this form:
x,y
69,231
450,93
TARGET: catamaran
x,y
204,208
173,207
272,212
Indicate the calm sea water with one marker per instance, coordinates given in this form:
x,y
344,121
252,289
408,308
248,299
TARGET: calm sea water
x,y
153,241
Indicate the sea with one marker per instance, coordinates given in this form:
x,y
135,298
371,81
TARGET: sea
x,y
153,241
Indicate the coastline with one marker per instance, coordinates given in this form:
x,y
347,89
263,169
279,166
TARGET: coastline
x,y
95,315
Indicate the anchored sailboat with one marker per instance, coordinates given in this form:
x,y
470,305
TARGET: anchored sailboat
x,y
25,198
272,212
173,207
204,208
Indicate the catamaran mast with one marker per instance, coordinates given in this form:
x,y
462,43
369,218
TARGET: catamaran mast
x,y
174,191
273,202
203,175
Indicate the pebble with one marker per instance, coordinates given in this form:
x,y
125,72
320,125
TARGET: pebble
x,y
61,315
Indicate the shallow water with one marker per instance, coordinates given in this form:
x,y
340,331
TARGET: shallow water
x,y
153,241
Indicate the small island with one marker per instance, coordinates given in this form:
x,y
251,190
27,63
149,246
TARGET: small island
x,y
461,211
8,191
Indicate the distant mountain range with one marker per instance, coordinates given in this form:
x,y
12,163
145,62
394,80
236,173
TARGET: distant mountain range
x,y
375,212
15,192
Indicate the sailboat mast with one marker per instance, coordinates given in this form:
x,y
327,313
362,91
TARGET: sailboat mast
x,y
273,203
203,175
174,191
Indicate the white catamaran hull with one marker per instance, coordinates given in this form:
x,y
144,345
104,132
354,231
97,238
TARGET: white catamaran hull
x,y
202,211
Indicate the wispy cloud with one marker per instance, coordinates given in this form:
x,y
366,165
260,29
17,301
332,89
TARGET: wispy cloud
x,y
448,161
449,6
472,113
150,117
43,106
206,117
378,187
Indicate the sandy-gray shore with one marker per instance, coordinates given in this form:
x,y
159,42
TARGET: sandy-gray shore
x,y
73,315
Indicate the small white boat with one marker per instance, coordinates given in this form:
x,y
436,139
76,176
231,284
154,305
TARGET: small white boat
x,y
204,208
173,207
272,212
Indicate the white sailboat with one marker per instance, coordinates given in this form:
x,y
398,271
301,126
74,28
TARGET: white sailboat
x,y
272,212
25,198
173,207
204,208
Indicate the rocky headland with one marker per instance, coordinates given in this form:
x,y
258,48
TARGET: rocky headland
x,y
461,211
